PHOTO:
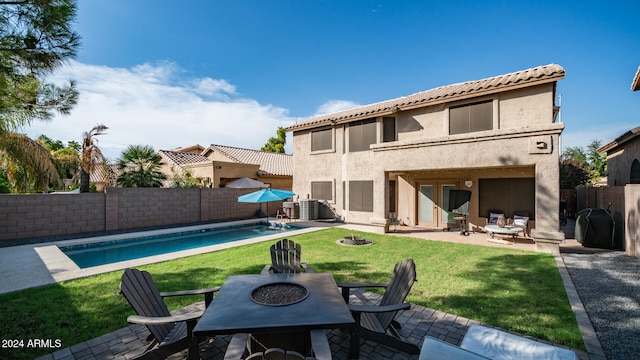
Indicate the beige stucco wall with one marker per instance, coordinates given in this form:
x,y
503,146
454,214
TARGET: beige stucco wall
x,y
277,182
221,171
619,162
524,142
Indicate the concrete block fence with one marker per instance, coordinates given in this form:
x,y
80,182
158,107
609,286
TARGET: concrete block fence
x,y
43,217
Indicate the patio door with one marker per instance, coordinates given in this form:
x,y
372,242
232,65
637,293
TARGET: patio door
x,y
433,202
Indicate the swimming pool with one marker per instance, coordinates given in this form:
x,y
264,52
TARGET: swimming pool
x,y
107,252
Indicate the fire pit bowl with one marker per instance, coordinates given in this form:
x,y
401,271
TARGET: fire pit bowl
x,y
279,294
354,241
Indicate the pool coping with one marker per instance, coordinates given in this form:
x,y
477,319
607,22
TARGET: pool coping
x,y
34,265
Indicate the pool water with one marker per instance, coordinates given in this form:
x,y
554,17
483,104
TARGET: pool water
x,y
107,252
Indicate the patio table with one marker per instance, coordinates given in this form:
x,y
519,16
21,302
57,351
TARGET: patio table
x,y
234,311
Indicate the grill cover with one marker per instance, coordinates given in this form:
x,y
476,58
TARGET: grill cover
x,y
595,228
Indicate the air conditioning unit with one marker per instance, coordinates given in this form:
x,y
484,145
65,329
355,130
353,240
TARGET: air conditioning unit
x,y
308,209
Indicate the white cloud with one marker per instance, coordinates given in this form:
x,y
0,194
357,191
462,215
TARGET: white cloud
x,y
212,87
151,105
335,106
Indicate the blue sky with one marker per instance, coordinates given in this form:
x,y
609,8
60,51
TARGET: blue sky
x,y
170,73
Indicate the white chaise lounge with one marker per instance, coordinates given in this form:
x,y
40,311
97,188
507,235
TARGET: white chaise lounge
x,y
481,342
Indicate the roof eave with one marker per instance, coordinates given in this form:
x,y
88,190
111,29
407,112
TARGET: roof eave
x,y
399,106
635,85
627,136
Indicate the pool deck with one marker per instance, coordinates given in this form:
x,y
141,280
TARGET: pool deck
x,y
27,266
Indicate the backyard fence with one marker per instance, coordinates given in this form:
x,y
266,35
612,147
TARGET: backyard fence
x,y
44,217
624,204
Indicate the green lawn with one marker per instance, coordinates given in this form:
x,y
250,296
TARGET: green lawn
x,y
516,290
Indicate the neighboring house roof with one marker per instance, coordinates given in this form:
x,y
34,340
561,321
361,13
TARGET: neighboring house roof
x,y
620,140
270,163
179,158
460,91
99,175
635,85
197,148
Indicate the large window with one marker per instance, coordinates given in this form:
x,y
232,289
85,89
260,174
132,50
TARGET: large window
x,y
471,117
322,190
361,135
322,140
508,196
388,129
361,196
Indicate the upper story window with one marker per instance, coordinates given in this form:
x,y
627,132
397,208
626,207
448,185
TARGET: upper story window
x,y
388,129
471,117
362,134
322,140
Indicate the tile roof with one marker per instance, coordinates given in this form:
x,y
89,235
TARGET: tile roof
x,y
180,158
270,163
626,137
529,77
99,174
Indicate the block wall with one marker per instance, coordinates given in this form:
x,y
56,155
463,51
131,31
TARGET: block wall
x,y
44,217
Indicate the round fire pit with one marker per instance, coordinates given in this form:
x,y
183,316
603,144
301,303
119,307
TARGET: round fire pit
x,y
279,294
354,241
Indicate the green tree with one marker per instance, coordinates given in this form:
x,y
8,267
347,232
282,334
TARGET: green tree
x,y
92,157
597,162
65,158
140,167
575,153
276,144
184,180
27,164
573,173
5,185
35,39
582,167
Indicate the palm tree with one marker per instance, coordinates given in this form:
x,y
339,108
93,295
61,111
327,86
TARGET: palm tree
x,y
65,158
27,164
36,39
140,167
91,156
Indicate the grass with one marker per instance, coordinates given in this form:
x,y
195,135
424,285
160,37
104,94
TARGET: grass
x,y
516,290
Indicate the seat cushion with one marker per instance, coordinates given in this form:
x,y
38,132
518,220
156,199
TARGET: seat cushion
x,y
493,218
520,221
435,349
500,345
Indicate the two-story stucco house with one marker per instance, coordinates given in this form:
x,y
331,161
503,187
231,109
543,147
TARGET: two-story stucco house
x,y
497,137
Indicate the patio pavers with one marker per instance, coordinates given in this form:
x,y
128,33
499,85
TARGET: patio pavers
x,y
416,322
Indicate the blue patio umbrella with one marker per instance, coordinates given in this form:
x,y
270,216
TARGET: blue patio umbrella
x,y
265,196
